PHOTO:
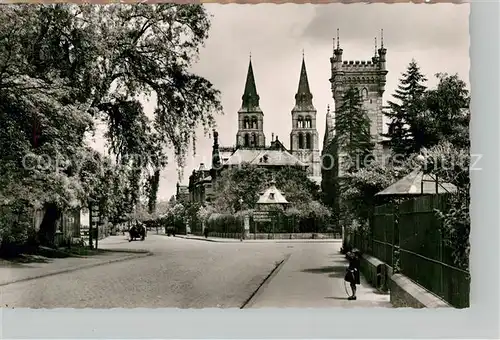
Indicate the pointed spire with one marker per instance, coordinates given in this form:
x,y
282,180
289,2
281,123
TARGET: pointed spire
x,y
338,40
382,38
303,98
250,98
329,128
216,159
375,46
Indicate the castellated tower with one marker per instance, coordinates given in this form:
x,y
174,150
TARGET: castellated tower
x,y
369,77
304,142
250,117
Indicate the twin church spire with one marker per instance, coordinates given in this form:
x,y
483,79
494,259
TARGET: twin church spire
x,y
303,135
303,97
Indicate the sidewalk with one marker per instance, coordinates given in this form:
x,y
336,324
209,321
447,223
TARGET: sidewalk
x,y
40,266
314,278
232,240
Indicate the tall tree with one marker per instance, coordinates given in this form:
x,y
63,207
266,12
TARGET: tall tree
x,y
404,131
352,127
63,66
447,113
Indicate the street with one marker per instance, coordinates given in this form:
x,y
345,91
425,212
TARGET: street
x,y
185,273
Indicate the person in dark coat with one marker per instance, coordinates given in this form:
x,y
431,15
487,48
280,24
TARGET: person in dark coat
x,y
352,272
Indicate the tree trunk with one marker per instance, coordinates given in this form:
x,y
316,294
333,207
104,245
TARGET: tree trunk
x,y
47,232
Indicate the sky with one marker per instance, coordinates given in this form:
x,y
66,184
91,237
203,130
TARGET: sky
x,y
436,36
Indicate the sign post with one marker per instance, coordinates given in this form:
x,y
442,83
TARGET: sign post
x,y
95,222
247,226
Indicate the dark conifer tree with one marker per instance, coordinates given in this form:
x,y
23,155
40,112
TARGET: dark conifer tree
x,y
352,127
404,130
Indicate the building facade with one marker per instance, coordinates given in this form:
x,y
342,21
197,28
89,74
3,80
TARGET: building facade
x,y
369,78
250,145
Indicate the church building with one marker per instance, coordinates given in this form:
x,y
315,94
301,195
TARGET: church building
x,y
250,145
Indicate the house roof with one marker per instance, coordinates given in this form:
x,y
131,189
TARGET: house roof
x,y
183,189
263,157
413,183
272,195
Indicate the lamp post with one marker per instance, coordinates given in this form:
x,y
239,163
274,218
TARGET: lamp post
x,y
423,163
242,220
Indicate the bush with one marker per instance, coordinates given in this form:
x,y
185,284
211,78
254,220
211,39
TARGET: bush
x,y
224,223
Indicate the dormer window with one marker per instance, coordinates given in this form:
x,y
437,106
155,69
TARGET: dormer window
x,y
266,157
271,195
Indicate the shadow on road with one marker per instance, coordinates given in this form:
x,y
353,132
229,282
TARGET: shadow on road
x,y
46,255
326,270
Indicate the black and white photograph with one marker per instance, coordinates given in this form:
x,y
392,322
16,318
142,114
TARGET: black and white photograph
x,y
235,156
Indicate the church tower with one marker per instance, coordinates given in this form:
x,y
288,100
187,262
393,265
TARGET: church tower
x,y
304,141
250,116
369,77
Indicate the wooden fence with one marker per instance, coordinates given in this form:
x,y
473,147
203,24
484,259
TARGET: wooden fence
x,y
407,237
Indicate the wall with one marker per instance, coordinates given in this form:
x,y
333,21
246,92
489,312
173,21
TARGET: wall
x,y
406,293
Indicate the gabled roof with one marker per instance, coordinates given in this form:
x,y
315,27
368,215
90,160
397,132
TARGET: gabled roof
x,y
263,157
272,196
413,183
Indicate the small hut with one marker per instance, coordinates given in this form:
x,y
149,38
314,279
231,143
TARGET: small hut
x,y
417,183
271,197
270,201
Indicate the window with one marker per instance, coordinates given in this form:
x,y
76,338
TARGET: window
x,y
301,141
308,141
364,93
246,123
254,122
271,195
300,122
247,140
308,122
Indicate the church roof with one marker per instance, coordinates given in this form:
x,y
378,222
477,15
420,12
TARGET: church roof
x,y
250,98
264,157
272,196
303,98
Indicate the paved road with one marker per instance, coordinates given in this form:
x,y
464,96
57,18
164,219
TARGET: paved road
x,y
313,277
185,273
181,273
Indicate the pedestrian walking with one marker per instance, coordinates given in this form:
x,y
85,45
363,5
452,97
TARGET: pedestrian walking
x,y
352,273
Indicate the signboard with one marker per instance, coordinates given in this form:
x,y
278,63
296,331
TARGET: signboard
x,y
261,216
95,214
247,223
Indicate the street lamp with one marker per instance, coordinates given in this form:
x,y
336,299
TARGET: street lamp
x,y
242,220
